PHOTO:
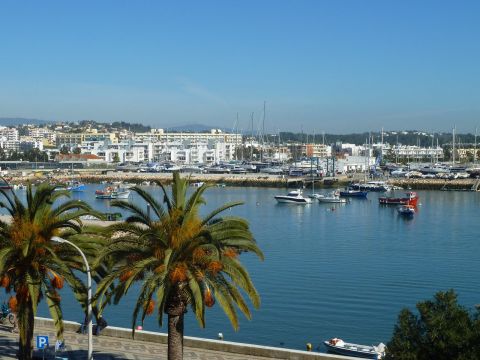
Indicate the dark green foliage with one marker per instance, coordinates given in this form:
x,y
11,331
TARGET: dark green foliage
x,y
442,330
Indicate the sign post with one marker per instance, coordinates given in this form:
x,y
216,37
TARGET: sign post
x,y
42,343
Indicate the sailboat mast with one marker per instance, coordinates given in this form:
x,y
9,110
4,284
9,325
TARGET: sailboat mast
x,y
475,148
251,139
263,132
453,146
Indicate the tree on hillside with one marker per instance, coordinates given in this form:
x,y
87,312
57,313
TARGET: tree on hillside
x,y
180,259
443,330
34,267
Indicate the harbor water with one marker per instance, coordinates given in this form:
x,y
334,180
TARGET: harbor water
x,y
332,270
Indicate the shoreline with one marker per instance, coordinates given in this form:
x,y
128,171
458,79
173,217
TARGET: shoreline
x,y
244,180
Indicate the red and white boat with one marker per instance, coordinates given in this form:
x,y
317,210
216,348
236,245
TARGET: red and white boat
x,y
411,198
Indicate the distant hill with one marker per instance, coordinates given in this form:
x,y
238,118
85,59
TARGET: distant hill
x,y
7,121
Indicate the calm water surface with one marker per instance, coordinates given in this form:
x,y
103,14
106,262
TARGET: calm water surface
x,y
342,271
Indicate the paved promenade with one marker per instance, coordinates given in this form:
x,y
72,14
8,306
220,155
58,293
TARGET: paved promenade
x,y
108,348
117,344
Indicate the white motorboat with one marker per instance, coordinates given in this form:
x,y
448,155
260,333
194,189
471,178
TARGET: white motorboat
x,y
338,346
333,198
406,210
293,197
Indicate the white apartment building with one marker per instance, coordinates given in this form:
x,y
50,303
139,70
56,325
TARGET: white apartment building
x,y
355,163
181,152
127,151
215,135
412,152
10,134
42,133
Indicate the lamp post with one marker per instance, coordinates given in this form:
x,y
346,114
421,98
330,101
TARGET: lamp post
x,y
89,294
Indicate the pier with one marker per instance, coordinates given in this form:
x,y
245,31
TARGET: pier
x,y
116,343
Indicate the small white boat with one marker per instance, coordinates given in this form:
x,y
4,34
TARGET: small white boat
x,y
406,210
197,184
293,197
333,198
338,346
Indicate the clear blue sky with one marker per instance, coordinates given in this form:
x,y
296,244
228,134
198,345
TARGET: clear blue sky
x,y
335,66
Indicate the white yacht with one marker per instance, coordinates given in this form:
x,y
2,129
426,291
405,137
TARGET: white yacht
x,y
293,197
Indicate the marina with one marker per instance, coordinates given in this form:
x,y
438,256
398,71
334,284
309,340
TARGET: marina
x,y
346,272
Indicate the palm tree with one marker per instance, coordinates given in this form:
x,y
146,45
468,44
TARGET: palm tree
x,y
181,260
33,266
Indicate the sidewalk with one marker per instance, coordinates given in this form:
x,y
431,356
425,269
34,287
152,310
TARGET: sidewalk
x,y
108,348
116,344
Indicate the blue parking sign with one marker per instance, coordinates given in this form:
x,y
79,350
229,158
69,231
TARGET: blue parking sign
x,y
42,341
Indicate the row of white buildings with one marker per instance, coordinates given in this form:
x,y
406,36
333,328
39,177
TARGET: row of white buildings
x,y
189,148
10,140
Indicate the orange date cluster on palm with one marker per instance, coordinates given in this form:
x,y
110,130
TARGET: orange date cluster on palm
x,y
57,282
150,307
5,281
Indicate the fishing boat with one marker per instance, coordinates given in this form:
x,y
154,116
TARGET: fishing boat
x,y
332,198
293,197
353,193
338,346
406,210
76,186
411,198
111,193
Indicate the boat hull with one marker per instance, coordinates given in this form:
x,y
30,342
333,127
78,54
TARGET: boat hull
x,y
398,201
351,352
77,188
354,193
113,196
287,200
332,200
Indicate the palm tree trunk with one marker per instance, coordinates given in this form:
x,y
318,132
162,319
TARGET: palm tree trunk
x,y
25,326
175,337
176,307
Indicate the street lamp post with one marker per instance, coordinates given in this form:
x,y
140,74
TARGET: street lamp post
x,y
89,295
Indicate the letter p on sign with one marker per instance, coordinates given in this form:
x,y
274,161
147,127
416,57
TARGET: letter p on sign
x,y
42,341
